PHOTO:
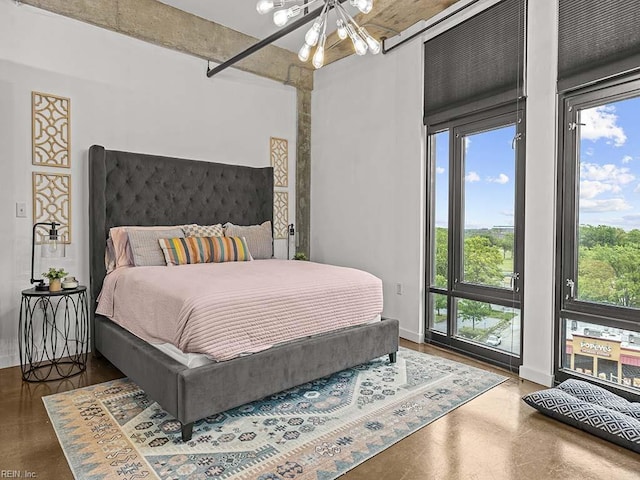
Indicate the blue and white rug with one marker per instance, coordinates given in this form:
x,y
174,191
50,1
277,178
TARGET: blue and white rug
x,y
318,430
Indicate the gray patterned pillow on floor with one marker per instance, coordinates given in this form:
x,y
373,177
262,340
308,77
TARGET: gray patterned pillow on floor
x,y
599,396
614,426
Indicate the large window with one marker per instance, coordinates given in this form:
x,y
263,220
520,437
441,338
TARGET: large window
x,y
599,315
475,202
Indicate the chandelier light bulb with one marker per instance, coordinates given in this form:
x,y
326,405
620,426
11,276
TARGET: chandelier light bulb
x,y
360,45
342,30
312,36
374,45
264,6
318,57
365,6
304,52
280,18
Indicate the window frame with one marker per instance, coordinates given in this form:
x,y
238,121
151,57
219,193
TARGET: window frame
x,y
512,113
567,307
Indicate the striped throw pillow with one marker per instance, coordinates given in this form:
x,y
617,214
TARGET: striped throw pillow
x,y
183,251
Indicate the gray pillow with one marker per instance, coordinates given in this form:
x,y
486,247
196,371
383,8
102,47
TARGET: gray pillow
x,y
614,426
145,247
599,396
259,238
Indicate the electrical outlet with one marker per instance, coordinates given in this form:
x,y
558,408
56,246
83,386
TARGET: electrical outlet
x,y
21,210
399,289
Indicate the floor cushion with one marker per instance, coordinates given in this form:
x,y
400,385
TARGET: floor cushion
x,y
592,409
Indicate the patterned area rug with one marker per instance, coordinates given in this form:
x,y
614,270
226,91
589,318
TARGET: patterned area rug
x,y
319,430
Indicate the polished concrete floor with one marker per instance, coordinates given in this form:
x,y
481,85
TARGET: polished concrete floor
x,y
495,436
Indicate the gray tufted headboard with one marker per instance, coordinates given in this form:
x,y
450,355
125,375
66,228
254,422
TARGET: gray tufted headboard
x,y
134,189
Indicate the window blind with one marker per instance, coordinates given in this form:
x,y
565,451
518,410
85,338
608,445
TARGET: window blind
x,y
477,64
597,39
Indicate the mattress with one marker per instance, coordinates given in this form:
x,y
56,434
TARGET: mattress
x,y
225,310
194,360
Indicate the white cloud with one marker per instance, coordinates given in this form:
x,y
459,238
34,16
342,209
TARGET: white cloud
x,y
604,205
607,173
637,189
472,177
507,213
589,151
501,179
439,170
591,189
626,159
600,122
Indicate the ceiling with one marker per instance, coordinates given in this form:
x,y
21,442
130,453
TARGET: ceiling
x,y
386,18
241,15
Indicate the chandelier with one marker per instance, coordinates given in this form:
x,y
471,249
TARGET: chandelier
x,y
317,34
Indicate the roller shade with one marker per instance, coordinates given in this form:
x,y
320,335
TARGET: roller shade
x,y
476,64
597,39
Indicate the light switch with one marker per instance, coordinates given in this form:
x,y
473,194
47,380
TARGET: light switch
x,y
21,210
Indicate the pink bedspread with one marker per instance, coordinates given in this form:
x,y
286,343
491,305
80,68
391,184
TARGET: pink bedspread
x,y
228,309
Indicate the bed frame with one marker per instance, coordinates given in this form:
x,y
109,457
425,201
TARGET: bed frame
x,y
134,189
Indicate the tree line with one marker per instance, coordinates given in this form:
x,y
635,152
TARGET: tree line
x,y
609,265
608,262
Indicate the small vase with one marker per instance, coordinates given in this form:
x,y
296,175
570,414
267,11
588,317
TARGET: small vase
x,y
55,285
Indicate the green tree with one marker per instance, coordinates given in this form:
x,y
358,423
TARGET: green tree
x,y
482,261
442,257
596,279
633,237
440,303
591,235
610,274
474,311
506,243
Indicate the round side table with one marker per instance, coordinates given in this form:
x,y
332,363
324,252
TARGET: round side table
x,y
53,334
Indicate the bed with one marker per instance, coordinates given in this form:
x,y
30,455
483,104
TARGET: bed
x,y
135,189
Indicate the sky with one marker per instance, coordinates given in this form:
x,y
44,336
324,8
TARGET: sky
x,y
610,165
609,171
489,171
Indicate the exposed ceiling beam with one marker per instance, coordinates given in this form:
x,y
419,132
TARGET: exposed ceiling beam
x,y
163,25
387,17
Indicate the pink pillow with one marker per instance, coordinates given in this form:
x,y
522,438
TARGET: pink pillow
x,y
121,248
122,252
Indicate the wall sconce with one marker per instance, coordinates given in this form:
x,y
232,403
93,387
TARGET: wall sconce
x,y
52,247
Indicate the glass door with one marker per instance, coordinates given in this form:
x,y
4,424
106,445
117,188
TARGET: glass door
x,y
475,272
599,315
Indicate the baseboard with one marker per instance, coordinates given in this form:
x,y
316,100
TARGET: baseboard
x,y
415,337
536,376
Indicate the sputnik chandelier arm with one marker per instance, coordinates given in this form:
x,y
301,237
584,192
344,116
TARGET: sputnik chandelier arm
x,y
316,36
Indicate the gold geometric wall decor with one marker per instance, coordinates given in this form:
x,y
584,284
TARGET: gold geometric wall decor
x,y
51,120
280,161
281,215
52,202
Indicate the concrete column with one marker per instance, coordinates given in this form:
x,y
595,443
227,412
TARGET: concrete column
x,y
303,173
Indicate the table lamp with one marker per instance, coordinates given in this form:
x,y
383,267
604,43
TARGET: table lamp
x,y
51,247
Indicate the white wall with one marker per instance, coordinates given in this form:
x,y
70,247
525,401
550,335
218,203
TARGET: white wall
x,y
127,95
368,177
